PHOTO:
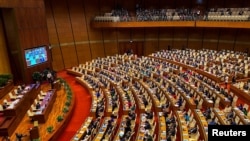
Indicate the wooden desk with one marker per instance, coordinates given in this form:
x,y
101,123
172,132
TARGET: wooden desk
x,y
182,125
174,62
156,102
108,106
11,122
141,132
70,71
242,118
162,135
221,116
46,106
34,133
92,93
20,106
211,76
191,104
208,102
84,83
223,99
168,96
6,89
121,128
137,99
80,132
243,95
202,123
125,105
103,129
8,126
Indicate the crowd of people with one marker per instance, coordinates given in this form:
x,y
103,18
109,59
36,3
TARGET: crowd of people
x,y
174,81
183,14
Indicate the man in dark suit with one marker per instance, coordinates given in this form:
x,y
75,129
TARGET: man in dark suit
x,y
170,120
212,122
127,129
38,105
145,102
131,115
149,115
147,125
114,105
192,130
147,137
128,121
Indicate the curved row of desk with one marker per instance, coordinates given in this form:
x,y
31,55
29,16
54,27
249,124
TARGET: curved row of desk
x,y
142,86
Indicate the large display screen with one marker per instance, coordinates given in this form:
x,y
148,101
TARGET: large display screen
x,y
35,56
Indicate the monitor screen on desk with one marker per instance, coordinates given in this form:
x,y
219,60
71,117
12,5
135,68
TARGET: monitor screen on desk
x,y
35,56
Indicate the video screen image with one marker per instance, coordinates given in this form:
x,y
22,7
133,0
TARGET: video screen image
x,y
35,56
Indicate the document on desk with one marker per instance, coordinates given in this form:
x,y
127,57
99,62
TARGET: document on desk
x,y
38,112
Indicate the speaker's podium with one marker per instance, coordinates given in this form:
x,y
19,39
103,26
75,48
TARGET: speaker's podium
x,y
34,132
57,85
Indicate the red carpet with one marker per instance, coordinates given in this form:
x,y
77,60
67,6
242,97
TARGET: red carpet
x,y
82,106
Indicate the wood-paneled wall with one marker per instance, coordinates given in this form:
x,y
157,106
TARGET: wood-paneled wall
x,y
4,57
74,41
25,27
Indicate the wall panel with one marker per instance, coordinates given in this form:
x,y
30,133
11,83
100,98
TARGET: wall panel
x,y
211,33
4,58
77,18
243,35
182,3
226,45
243,48
215,3
151,33
233,3
97,50
164,44
92,8
111,48
180,38
195,44
83,53
246,3
69,56
150,47
62,21
129,5
138,34
195,38
166,4
52,30
166,38
109,34
210,45
151,40
151,4
227,39
57,59
124,34
107,5
210,38
31,34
